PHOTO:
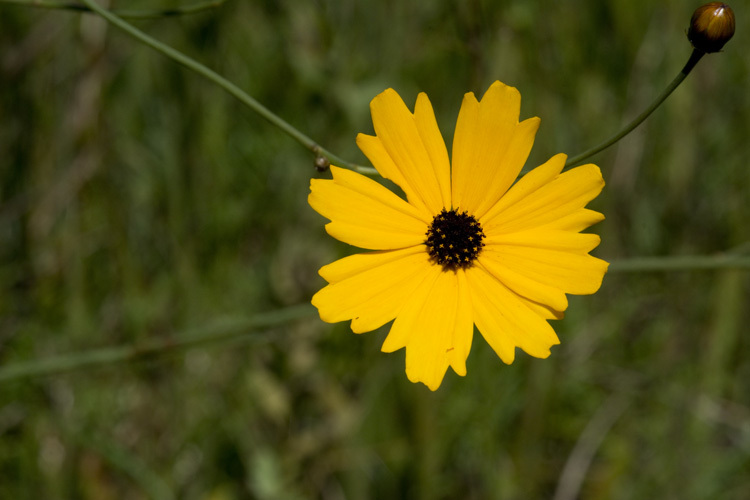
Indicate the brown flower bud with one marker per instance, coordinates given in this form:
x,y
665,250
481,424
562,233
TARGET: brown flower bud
x,y
321,163
711,27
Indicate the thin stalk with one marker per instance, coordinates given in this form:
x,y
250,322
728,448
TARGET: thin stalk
x,y
218,332
675,263
692,61
230,87
124,13
240,328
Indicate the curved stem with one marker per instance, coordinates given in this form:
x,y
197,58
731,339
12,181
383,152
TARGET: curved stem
x,y
692,61
237,328
680,263
230,87
221,331
130,14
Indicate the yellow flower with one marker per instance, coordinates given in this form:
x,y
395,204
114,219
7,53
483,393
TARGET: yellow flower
x,y
468,247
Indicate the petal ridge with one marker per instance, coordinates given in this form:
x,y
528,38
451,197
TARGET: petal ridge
x,y
364,213
370,288
490,147
397,131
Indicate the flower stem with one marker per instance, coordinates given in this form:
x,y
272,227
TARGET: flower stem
x,y
680,263
131,14
240,328
692,61
221,331
222,82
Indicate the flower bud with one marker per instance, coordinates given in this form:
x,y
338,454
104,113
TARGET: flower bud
x,y
321,163
711,27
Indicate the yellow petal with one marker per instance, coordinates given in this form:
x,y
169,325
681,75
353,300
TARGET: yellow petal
x,y
581,243
463,332
433,142
403,329
436,327
373,148
570,272
402,139
558,198
542,310
526,185
521,284
370,288
364,213
489,147
577,220
505,321
353,265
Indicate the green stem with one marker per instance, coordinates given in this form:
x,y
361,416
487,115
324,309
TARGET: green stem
x,y
130,14
692,61
230,87
238,328
217,332
686,263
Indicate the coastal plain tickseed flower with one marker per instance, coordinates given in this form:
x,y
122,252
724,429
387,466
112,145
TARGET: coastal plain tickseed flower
x,y
468,246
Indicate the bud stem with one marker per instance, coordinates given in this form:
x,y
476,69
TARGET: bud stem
x,y
692,61
228,86
694,58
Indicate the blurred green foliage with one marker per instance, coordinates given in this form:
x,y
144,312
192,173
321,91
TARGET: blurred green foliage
x,y
138,201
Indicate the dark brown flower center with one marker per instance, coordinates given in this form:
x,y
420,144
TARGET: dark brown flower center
x,y
454,239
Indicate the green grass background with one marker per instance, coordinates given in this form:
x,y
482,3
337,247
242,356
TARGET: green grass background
x,y
138,201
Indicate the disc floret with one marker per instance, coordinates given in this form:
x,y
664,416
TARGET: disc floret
x,y
454,239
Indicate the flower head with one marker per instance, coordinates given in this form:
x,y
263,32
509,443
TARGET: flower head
x,y
468,246
711,26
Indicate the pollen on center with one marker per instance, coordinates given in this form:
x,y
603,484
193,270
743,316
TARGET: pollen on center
x,y
454,239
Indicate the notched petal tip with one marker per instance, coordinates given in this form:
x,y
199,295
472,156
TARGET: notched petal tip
x,y
318,301
358,327
459,367
471,97
541,354
559,158
593,174
498,86
432,382
507,357
424,99
595,168
502,97
385,104
362,137
531,125
392,343
387,94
